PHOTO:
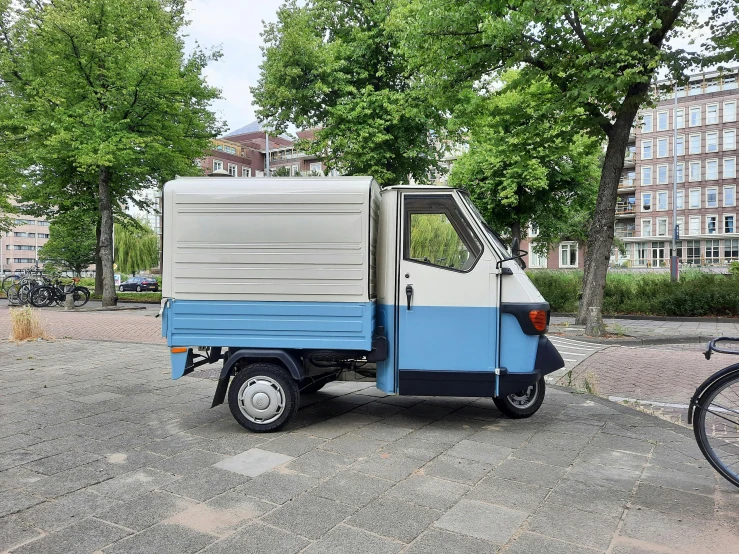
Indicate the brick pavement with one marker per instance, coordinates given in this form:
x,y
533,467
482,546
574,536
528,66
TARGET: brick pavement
x,y
101,452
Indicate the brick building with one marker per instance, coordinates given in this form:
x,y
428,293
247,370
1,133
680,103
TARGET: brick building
x,y
21,244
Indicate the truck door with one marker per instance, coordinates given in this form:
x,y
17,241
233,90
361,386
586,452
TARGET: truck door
x,y
446,300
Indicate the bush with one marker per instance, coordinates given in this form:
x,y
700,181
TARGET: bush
x,y
696,294
143,297
25,324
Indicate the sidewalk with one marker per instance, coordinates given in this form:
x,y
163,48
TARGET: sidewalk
x,y
101,452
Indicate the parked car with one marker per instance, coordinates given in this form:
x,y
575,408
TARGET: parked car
x,y
139,284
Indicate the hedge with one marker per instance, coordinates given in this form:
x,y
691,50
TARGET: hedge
x,y
143,297
696,294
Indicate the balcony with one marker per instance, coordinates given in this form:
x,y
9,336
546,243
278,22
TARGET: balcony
x,y
627,185
625,209
630,159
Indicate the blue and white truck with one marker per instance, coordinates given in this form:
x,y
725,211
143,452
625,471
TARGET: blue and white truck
x,y
289,281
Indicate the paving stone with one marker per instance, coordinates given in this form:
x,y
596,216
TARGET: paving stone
x,y
88,535
511,494
428,491
96,398
393,467
480,452
319,463
258,538
572,525
163,539
382,432
623,444
63,444
673,501
441,434
59,462
434,541
233,444
343,539
19,477
589,497
594,474
66,510
12,501
456,469
174,444
14,531
529,543
379,409
253,462
501,437
278,487
234,507
483,521
71,480
309,515
354,489
394,518
293,444
19,440
613,458
206,484
189,462
353,445
665,477
145,510
404,419
415,448
337,426
134,483
15,458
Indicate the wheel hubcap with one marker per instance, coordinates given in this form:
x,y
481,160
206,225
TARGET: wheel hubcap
x,y
261,399
525,398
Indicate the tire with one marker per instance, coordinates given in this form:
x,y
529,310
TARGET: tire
x,y
120,288
701,421
13,294
41,297
268,384
523,404
138,288
80,296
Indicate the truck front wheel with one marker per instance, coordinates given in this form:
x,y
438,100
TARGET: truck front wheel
x,y
263,397
523,403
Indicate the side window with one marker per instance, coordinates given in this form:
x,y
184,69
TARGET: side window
x,y
436,233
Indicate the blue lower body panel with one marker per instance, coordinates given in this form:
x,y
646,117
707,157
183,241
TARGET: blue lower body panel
x,y
386,379
517,349
286,325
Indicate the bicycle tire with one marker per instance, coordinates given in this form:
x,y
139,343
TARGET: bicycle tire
x,y
80,295
41,297
23,292
719,462
13,295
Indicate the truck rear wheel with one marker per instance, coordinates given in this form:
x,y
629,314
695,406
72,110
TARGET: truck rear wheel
x,y
524,403
263,397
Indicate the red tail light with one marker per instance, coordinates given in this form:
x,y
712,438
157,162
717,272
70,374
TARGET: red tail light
x,y
539,319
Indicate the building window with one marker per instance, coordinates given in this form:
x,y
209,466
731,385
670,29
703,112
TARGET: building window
x,y
711,224
646,227
537,260
680,118
712,197
712,142
693,251
568,254
680,228
712,251
729,139
695,116
731,249
729,224
641,253
695,171
646,201
730,111
646,123
662,200
661,226
316,168
662,174
23,260
40,223
696,87
246,171
730,82
681,172
694,198
662,146
663,121
695,144
217,164
711,170
16,234
694,226
711,114
730,195
680,145
646,150
295,170
680,199
712,85
658,254
646,175
729,168
232,170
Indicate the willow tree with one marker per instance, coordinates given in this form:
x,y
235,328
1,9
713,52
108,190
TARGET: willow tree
x,y
602,57
136,247
101,89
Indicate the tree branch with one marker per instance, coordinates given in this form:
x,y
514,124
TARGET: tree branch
x,y
574,21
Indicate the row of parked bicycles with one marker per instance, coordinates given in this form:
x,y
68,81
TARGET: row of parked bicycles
x,y
34,287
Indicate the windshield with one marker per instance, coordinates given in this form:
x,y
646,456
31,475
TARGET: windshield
x,y
494,237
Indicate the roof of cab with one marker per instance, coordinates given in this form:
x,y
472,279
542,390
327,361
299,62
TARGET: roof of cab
x,y
270,184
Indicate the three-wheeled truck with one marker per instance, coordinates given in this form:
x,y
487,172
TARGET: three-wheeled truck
x,y
290,281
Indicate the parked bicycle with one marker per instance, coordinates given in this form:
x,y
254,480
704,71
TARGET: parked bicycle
x,y
18,292
56,293
714,413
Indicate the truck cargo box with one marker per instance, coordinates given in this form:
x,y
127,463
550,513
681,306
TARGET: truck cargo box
x,y
270,262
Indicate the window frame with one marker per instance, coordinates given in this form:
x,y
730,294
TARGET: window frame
x,y
569,244
723,198
645,169
715,224
733,226
680,177
666,142
708,143
692,164
690,197
235,169
647,143
679,114
667,174
246,171
708,176
723,167
698,150
644,195
709,189
666,114
644,117
680,195
219,162
729,103
691,219
648,222
667,227
732,146
708,107
680,142
667,201
691,111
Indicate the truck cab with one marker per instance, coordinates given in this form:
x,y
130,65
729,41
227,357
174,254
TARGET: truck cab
x,y
313,277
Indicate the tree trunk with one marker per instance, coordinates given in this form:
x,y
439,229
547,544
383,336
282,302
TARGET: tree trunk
x,y
516,233
600,238
106,237
98,262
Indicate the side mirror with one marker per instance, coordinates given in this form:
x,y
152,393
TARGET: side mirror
x,y
516,254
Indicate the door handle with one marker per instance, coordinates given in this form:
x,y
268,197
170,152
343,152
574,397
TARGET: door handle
x,y
409,294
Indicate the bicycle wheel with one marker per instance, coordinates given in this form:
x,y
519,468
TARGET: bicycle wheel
x,y
24,291
81,295
41,297
8,281
716,426
13,295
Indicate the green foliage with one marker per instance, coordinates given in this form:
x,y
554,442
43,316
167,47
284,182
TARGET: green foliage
x,y
734,269
72,242
334,64
141,297
136,247
528,162
434,240
282,171
696,294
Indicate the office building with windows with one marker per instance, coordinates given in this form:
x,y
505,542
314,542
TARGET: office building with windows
x,y
21,244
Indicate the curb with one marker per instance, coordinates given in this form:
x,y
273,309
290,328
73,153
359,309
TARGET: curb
x,y
108,309
710,319
637,341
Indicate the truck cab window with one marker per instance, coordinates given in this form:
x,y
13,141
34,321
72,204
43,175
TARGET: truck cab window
x,y
437,234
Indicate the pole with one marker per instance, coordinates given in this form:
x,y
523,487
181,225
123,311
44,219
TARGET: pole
x,y
673,253
2,254
266,156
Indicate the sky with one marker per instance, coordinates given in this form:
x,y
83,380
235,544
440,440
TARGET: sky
x,y
235,27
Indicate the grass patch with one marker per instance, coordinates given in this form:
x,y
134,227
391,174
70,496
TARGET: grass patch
x,y
25,324
142,297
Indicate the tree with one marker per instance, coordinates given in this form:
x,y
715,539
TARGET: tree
x,y
136,247
101,102
331,64
602,57
527,163
72,242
